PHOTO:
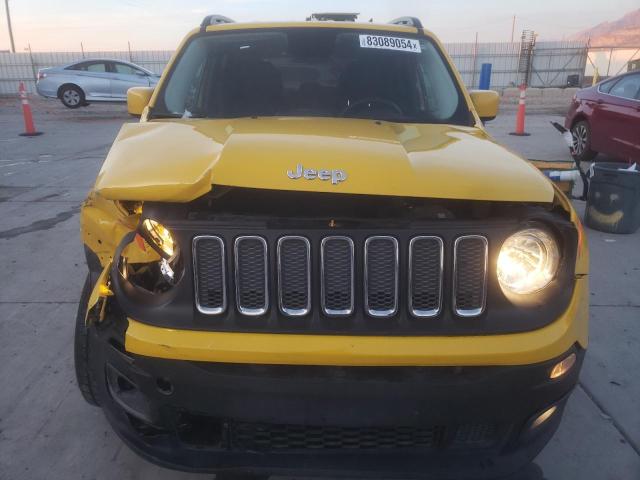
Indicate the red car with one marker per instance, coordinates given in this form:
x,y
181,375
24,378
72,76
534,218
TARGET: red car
x,y
605,119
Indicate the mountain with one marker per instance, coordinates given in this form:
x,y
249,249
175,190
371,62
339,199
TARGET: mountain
x,y
622,32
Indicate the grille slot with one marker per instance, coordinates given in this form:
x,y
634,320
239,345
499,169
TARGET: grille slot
x,y
426,256
337,276
470,275
209,272
270,437
381,276
476,435
252,295
294,276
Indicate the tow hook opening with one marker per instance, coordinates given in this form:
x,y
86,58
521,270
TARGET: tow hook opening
x,y
164,386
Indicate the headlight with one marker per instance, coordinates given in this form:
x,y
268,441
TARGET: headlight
x,y
158,274
159,237
528,261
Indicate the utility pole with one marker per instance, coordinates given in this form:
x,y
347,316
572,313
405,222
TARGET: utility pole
x,y
513,27
13,46
475,61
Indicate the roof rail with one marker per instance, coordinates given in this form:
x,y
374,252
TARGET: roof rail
x,y
409,21
333,16
214,20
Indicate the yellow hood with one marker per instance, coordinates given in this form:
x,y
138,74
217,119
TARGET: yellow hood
x,y
180,160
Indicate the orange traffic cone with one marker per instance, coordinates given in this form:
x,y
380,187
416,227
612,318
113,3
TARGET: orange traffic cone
x,y
521,113
29,128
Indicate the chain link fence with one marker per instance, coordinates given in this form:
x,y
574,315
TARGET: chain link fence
x,y
552,63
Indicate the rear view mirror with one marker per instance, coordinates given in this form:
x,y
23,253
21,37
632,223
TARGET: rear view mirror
x,y
486,103
137,99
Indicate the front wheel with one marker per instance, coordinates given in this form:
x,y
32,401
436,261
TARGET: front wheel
x,y
581,133
72,96
86,381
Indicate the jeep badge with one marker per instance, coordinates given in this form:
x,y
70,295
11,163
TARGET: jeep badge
x,y
336,176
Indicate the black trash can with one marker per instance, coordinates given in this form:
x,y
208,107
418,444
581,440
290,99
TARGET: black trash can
x,y
613,204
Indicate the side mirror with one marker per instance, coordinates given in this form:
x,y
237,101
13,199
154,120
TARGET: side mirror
x,y
137,99
486,103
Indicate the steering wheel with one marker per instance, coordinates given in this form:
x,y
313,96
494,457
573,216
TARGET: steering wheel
x,y
372,100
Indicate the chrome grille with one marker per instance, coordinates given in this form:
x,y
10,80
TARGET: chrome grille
x,y
381,276
337,276
470,275
426,256
294,276
379,269
209,272
252,294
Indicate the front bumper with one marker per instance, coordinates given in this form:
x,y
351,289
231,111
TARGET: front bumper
x,y
452,422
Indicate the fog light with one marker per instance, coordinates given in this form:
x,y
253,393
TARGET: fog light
x,y
563,367
543,417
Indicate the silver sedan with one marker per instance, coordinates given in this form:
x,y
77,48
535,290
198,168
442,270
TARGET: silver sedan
x,y
94,80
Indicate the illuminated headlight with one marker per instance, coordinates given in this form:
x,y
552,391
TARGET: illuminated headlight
x,y
155,274
159,237
528,261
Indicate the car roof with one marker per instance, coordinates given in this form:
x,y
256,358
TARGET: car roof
x,y
615,78
117,60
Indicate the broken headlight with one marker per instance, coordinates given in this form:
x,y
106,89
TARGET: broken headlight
x,y
159,237
157,265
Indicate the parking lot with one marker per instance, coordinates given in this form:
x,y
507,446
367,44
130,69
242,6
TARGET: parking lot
x,y
48,431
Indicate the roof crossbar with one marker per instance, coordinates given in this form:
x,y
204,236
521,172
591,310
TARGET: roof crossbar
x,y
214,20
333,16
408,21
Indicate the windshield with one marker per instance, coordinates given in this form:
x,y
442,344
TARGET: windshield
x,y
313,72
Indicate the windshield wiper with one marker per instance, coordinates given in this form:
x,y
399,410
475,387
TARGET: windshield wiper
x,y
186,115
189,114
154,115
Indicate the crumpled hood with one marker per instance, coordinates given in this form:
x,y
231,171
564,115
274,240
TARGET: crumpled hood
x,y
180,160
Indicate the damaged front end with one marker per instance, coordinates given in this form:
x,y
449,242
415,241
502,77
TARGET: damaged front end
x,y
118,242
216,389
152,265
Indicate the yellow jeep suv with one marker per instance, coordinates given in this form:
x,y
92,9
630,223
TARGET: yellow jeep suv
x,y
310,257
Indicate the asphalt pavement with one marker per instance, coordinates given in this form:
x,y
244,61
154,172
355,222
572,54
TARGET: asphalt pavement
x,y
48,431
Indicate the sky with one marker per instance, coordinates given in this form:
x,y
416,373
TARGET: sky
x,y
160,24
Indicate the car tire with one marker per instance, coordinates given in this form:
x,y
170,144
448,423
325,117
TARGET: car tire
x,y
581,133
72,96
81,348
